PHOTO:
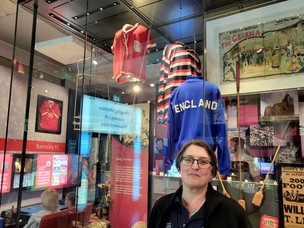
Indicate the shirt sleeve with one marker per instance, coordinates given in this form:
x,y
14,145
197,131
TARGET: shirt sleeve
x,y
222,138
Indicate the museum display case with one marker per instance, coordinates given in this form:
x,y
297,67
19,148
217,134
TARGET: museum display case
x,y
89,102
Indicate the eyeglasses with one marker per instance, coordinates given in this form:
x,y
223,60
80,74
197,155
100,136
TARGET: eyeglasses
x,y
202,163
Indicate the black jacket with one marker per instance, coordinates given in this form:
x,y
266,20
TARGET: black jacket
x,y
222,212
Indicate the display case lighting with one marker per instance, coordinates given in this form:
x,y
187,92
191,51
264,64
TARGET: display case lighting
x,y
96,10
70,25
50,1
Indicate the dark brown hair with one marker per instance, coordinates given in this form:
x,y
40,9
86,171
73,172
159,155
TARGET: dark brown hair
x,y
202,144
71,196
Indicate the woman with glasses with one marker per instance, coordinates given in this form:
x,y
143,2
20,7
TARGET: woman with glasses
x,y
196,203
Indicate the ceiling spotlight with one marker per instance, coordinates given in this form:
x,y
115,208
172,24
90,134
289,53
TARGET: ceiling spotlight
x,y
50,1
95,62
152,84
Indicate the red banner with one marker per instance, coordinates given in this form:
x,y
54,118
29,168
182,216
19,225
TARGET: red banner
x,y
33,146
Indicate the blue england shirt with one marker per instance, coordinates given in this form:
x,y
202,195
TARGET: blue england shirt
x,y
197,112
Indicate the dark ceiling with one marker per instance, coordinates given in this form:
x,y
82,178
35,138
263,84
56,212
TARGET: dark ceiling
x,y
97,21
168,20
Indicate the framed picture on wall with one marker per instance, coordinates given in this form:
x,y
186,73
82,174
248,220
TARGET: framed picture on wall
x,y
291,194
48,115
268,49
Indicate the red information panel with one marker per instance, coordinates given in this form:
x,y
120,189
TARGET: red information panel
x,y
6,164
44,170
52,170
129,185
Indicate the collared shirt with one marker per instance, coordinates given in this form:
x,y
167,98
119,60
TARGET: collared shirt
x,y
179,218
178,62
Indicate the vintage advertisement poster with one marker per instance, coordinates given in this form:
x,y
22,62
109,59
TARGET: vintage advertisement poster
x,y
292,191
264,49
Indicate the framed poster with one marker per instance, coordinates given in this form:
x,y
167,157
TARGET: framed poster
x,y
268,48
48,115
291,194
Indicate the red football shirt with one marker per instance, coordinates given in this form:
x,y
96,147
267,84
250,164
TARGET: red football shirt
x,y
50,114
130,48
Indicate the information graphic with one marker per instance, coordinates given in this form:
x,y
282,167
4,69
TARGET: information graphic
x,y
60,170
44,170
52,170
129,184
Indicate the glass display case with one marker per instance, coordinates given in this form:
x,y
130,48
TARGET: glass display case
x,y
87,108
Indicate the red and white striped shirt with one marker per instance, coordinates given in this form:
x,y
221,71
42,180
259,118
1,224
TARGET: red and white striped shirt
x,y
178,62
